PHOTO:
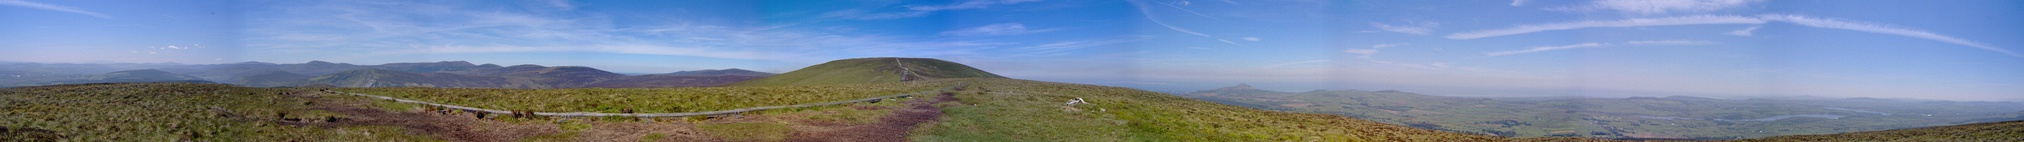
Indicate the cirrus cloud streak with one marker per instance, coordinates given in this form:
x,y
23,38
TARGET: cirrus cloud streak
x,y
1757,20
24,3
1596,45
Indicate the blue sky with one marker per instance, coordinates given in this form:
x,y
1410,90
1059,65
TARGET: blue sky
x,y
1952,50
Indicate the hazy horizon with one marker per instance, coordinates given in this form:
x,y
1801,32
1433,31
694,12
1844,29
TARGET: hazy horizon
x,y
1283,87
1943,50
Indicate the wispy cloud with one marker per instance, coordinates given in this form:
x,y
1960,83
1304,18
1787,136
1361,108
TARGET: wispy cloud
x,y
1659,7
972,4
1760,19
1277,65
1414,28
174,47
1545,48
1382,46
1669,42
1148,13
1518,3
1640,22
1184,3
919,10
25,3
1413,66
1060,48
563,4
170,49
1874,28
863,15
1597,45
995,29
1365,53
1745,31
1230,42
1361,53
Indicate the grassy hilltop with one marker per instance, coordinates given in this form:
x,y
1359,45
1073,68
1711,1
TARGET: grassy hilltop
x,y
871,70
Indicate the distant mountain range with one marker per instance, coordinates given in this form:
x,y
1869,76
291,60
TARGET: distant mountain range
x,y
147,75
452,74
1674,117
712,72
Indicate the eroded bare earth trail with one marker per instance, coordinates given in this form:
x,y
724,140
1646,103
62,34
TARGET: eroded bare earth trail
x,y
446,126
893,127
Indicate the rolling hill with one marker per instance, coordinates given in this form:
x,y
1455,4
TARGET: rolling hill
x,y
521,76
451,74
717,72
2008,131
443,66
375,77
695,78
318,68
993,108
271,79
1674,117
671,80
871,70
145,75
563,76
958,103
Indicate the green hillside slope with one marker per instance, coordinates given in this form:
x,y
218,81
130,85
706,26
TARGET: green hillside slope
x,y
1676,117
1980,132
871,70
271,78
975,106
1022,110
145,75
172,112
563,76
373,77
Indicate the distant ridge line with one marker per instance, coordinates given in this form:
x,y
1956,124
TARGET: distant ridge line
x,y
679,114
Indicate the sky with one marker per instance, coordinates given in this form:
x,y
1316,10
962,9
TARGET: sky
x,y
1945,50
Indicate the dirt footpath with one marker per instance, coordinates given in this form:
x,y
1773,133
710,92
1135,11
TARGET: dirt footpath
x,y
452,127
893,127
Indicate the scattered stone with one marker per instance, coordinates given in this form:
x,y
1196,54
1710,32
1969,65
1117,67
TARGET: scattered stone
x,y
1076,101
